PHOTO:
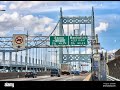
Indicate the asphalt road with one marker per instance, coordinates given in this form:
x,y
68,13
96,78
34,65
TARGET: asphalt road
x,y
49,78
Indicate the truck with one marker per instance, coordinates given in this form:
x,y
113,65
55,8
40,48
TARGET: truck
x,y
65,69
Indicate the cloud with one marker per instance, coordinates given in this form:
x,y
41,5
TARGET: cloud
x,y
102,27
2,7
46,6
23,4
33,24
112,51
2,34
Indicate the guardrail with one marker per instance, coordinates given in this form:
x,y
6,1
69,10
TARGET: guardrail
x,y
110,78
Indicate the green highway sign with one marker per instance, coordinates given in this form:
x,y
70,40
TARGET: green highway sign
x,y
78,40
58,40
68,40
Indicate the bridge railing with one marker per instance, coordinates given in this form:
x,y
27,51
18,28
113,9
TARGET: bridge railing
x,y
110,78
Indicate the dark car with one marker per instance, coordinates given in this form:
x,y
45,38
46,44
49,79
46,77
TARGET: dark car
x,y
83,72
31,74
55,72
75,72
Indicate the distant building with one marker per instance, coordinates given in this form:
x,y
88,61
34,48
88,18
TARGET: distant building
x,y
114,65
111,56
117,53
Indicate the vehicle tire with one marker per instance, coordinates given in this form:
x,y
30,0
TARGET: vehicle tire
x,y
58,75
51,75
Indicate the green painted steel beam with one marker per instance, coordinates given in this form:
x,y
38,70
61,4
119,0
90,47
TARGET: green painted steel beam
x,y
77,20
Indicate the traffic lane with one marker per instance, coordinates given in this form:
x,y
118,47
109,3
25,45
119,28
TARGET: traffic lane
x,y
39,78
49,78
26,79
63,78
77,78
54,78
72,78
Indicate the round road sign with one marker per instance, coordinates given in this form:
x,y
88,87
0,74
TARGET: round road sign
x,y
19,40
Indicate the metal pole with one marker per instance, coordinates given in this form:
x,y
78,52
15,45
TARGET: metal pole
x,y
93,37
3,58
29,58
41,56
27,52
56,58
46,59
10,61
60,34
36,56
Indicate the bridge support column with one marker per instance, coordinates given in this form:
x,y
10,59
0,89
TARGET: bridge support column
x,y
21,58
45,69
60,34
10,62
33,61
16,68
30,61
36,62
3,58
39,62
16,58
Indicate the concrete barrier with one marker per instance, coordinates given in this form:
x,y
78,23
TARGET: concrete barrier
x,y
10,75
88,78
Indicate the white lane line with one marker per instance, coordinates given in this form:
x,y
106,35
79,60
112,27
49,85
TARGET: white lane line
x,y
52,78
71,78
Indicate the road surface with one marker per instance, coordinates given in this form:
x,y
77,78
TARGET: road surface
x,y
49,78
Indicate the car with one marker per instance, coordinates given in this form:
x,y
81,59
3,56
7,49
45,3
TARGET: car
x,y
31,74
75,72
55,72
83,72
